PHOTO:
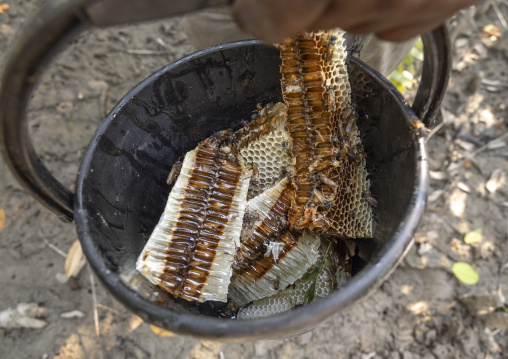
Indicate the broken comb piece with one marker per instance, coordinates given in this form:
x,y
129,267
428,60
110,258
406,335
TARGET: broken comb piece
x,y
265,148
191,250
273,256
329,162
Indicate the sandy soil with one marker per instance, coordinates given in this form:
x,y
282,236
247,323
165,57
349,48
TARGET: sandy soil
x,y
422,311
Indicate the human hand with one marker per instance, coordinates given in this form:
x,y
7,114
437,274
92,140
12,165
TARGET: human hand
x,y
395,20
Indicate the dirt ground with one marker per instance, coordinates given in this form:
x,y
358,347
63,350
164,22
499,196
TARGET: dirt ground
x,y
422,311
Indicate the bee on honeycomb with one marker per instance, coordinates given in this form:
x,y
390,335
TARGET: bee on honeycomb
x,y
328,158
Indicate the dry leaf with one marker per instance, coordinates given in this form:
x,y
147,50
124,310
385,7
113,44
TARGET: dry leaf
x,y
468,163
2,218
464,187
4,8
472,163
5,30
75,260
438,176
161,332
491,30
496,180
24,316
72,314
494,145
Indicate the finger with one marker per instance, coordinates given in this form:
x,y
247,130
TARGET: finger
x,y
274,20
358,13
383,25
407,32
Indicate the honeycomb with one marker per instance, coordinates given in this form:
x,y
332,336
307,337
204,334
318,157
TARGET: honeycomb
x,y
329,173
191,250
266,149
273,256
293,296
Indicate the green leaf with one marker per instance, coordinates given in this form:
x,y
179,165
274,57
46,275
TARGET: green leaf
x,y
407,75
474,236
504,308
417,54
310,293
397,76
465,273
310,275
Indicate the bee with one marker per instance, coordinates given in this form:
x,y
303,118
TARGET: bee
x,y
283,223
318,196
249,219
355,47
318,165
233,159
325,180
353,155
351,122
370,199
254,180
329,48
238,254
309,215
332,104
174,173
276,283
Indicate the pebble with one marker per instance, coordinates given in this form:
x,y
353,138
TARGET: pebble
x,y
478,304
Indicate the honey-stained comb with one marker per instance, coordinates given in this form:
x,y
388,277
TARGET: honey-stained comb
x,y
265,146
273,256
191,251
329,162
294,295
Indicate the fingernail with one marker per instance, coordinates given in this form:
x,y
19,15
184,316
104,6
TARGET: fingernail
x,y
254,18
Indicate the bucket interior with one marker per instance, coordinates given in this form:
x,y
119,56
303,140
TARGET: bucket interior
x,y
122,190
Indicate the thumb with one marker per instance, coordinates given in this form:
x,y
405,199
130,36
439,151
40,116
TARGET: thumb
x,y
274,20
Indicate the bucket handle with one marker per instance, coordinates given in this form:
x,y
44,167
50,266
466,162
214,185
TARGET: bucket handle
x,y
60,21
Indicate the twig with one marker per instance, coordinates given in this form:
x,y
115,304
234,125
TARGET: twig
x,y
96,314
110,309
434,131
104,101
146,52
499,14
162,43
483,148
499,290
51,245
